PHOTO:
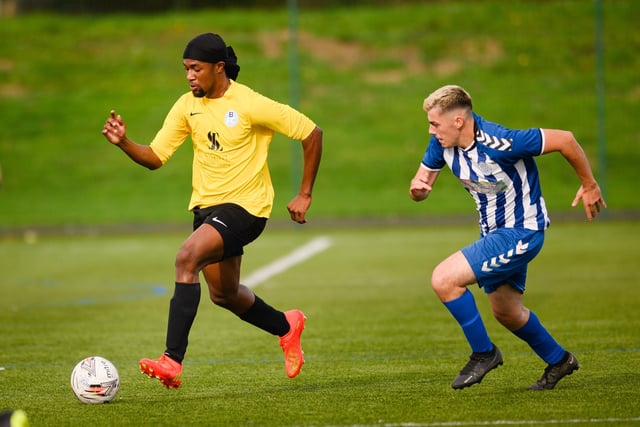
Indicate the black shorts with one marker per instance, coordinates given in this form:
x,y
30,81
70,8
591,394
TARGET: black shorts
x,y
236,226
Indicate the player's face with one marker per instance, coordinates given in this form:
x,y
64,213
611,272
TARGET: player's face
x,y
445,126
201,77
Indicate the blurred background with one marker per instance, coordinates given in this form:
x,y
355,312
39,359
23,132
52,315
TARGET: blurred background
x,y
86,6
359,69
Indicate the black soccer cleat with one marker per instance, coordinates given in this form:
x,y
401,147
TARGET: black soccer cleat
x,y
477,367
554,373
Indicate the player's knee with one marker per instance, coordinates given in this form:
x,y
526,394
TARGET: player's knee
x,y
220,300
440,282
445,284
502,316
509,317
185,259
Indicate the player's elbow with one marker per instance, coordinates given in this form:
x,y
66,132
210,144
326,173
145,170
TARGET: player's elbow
x,y
152,161
569,137
318,132
314,138
153,165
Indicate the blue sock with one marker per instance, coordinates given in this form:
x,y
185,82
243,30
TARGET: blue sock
x,y
540,340
466,312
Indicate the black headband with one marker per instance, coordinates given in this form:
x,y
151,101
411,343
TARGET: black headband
x,y
211,48
207,48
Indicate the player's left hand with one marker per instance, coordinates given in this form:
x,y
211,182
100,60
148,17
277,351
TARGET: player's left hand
x,y
298,208
591,200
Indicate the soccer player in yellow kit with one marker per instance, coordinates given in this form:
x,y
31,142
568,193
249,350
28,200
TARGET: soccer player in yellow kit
x,y
231,127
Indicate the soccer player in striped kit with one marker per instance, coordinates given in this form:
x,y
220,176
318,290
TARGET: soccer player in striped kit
x,y
231,127
496,166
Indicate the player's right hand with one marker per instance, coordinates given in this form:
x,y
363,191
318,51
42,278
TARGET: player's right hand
x,y
419,189
115,129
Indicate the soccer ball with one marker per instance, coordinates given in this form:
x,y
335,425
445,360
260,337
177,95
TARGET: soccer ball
x,y
95,380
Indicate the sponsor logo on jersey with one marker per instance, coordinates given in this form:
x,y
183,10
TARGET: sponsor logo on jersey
x,y
213,139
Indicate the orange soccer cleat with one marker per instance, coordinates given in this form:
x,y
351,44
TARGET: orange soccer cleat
x,y
167,370
290,343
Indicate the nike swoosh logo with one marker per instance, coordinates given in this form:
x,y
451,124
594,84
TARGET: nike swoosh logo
x,y
215,219
193,114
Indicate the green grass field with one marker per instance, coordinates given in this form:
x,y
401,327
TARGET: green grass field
x,y
380,349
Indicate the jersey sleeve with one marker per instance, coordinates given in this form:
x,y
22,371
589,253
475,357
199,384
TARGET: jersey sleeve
x,y
524,142
528,142
434,155
173,133
280,118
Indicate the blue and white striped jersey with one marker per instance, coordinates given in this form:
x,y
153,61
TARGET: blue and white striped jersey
x,y
500,173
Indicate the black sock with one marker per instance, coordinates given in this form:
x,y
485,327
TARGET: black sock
x,y
266,318
182,311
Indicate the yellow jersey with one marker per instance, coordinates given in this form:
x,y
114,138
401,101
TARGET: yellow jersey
x,y
231,137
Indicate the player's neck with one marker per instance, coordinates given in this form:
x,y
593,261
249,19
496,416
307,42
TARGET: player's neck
x,y
467,135
220,89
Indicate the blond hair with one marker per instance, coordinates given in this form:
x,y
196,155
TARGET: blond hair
x,y
448,98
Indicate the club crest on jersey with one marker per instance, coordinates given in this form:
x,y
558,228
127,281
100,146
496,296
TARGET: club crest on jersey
x,y
485,168
231,118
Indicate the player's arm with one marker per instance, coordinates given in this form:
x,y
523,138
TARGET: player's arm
x,y
422,184
115,131
312,152
589,192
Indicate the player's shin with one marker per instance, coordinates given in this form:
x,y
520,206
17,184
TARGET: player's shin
x,y
265,317
540,340
182,312
465,311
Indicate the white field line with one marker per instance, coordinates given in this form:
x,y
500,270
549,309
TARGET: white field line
x,y
503,422
280,265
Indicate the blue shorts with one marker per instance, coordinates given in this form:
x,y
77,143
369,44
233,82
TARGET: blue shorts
x,y
502,257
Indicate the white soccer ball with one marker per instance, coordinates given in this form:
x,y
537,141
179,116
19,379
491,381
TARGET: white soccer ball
x,y
95,380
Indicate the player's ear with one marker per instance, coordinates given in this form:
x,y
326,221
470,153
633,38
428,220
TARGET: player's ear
x,y
218,67
458,121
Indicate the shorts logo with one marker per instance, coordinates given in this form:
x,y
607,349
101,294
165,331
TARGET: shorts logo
x,y
503,259
215,219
